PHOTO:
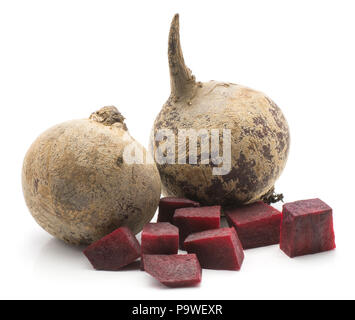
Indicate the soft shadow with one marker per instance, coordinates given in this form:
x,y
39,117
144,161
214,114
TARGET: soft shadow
x,y
224,223
154,283
328,256
136,265
56,254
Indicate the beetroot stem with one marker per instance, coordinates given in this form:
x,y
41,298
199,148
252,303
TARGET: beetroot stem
x,y
181,78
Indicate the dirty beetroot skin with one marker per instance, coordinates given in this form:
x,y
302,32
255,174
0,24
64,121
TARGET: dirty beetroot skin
x,y
160,238
260,136
257,224
77,185
168,205
177,270
114,251
306,228
218,249
191,220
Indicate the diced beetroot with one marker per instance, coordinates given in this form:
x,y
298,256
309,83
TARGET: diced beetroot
x,y
306,228
257,224
191,220
114,251
168,205
218,249
176,270
160,238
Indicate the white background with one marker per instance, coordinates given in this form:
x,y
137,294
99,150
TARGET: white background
x,y
61,60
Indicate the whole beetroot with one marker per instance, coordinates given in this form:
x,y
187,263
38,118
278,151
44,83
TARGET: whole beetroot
x,y
259,137
78,186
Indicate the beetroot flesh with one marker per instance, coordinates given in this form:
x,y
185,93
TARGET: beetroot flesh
x,y
306,228
114,251
168,205
177,270
257,224
160,238
191,220
218,249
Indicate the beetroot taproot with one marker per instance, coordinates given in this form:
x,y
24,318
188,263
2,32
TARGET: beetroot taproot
x,y
218,249
168,205
251,125
306,228
160,238
257,224
114,251
190,220
78,185
177,270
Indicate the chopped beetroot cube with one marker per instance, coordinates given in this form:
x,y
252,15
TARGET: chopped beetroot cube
x,y
160,238
257,224
306,227
114,251
191,220
176,270
218,249
168,205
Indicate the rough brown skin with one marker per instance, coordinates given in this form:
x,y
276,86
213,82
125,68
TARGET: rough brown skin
x,y
77,186
260,136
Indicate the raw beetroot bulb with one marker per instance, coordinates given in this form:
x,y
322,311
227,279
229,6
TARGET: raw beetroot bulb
x,y
257,224
190,220
259,137
168,205
114,251
218,249
79,183
160,238
306,228
177,270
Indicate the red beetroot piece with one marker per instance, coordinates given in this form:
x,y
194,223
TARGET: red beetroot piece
x,y
257,224
160,238
306,228
218,249
168,205
191,220
114,251
176,270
